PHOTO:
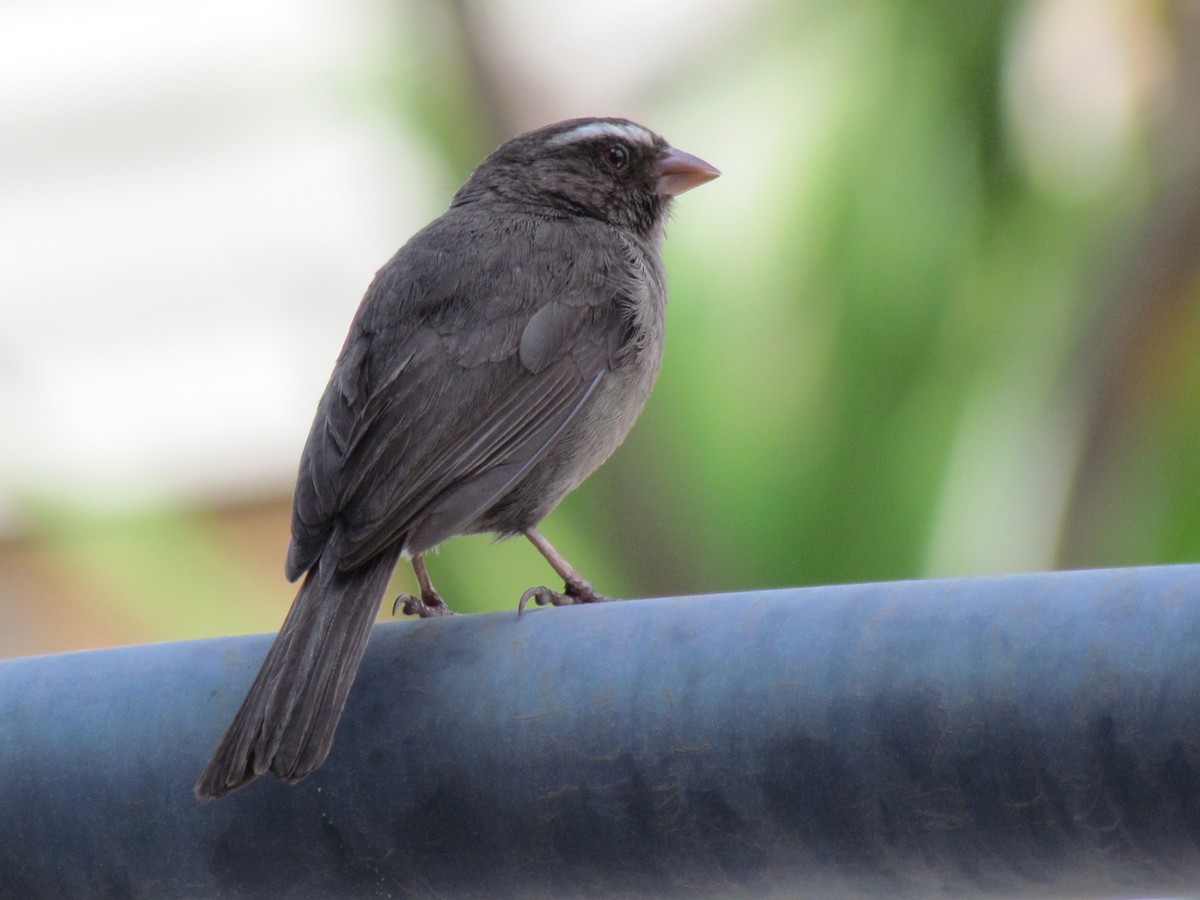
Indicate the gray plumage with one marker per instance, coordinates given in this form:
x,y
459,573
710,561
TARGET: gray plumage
x,y
495,361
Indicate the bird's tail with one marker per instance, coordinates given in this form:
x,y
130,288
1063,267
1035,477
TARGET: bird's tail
x,y
287,721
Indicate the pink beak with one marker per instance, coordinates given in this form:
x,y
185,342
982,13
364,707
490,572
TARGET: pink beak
x,y
679,172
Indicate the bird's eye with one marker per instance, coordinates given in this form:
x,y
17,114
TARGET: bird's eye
x,y
617,156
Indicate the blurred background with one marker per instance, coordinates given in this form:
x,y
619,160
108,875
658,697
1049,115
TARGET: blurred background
x,y
940,316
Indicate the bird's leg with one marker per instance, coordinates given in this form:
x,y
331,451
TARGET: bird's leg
x,y
577,589
429,604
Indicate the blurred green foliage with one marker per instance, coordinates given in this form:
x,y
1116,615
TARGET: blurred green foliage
x,y
892,351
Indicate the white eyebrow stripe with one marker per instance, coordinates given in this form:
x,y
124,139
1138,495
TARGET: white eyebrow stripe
x,y
616,130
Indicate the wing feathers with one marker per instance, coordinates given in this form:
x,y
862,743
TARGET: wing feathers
x,y
435,410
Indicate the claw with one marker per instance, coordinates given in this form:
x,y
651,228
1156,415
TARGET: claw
x,y
426,606
539,595
572,594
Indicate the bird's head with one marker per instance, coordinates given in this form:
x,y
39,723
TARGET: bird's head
x,y
609,169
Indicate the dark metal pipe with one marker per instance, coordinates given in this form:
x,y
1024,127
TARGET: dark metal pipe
x,y
1033,735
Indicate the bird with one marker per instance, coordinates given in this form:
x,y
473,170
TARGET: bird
x,y
494,362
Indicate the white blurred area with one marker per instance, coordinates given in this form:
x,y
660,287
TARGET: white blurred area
x,y
1084,79
193,198
190,214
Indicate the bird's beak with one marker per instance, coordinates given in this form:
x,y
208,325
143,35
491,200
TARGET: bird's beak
x,y
678,172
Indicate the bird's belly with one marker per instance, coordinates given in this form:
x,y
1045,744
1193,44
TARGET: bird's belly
x,y
577,452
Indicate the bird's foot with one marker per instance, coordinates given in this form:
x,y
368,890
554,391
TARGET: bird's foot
x,y
427,605
573,592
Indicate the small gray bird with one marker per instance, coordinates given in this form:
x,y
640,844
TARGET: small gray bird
x,y
496,360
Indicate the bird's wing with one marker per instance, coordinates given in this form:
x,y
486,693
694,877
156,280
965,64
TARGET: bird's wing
x,y
433,412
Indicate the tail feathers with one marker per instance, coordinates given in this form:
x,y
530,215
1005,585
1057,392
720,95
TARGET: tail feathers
x,y
286,723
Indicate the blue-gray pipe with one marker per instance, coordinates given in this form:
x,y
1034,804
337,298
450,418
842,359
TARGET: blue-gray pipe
x,y
1034,735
